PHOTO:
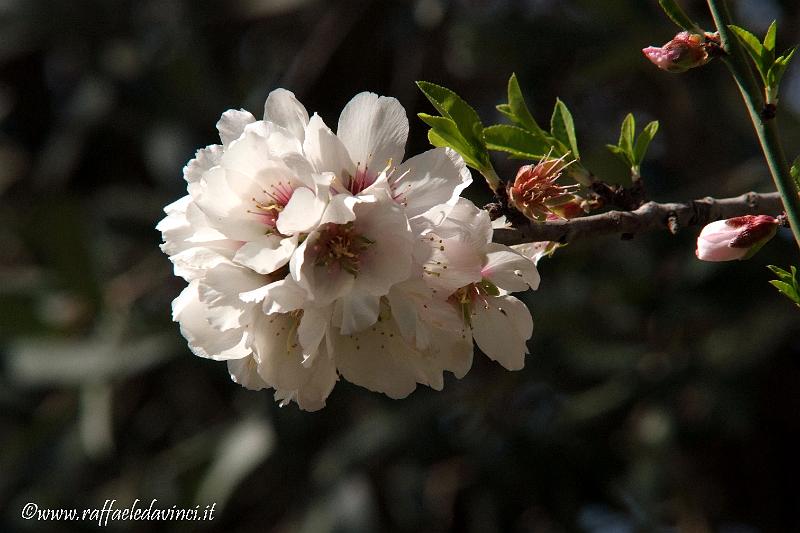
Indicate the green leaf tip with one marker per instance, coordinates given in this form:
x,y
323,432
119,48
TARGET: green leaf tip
x,y
677,15
786,283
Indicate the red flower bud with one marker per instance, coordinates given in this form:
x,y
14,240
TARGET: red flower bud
x,y
686,50
735,238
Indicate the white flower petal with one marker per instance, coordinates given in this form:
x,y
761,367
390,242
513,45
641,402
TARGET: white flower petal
x,y
325,150
534,250
283,108
204,159
374,129
224,197
185,227
219,290
466,221
278,142
311,396
313,327
509,270
281,364
340,210
359,311
302,213
267,253
453,349
403,304
279,354
501,328
255,295
283,296
380,360
204,340
388,260
232,123
434,177
260,154
194,262
449,264
244,371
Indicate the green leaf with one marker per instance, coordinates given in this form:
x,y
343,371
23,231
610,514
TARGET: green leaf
x,y
505,109
439,141
518,107
444,133
754,48
643,142
516,141
778,68
678,16
621,153
785,288
781,273
769,38
786,283
626,134
795,171
563,128
451,106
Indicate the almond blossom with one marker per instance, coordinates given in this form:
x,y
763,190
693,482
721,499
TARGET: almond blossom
x,y
310,255
477,275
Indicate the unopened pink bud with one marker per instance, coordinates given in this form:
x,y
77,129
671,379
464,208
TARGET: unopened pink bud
x,y
735,238
686,50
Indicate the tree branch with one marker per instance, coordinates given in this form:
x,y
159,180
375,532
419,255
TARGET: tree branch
x,y
651,216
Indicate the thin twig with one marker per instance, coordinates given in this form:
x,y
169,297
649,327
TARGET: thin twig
x,y
650,216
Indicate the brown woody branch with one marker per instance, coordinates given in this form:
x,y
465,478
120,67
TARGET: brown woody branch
x,y
650,216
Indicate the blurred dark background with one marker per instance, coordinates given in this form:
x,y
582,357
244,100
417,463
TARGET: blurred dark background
x,y
662,393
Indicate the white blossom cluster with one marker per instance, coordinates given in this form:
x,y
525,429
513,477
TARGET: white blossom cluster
x,y
312,255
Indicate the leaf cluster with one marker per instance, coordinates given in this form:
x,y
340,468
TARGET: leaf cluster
x,y
786,283
460,128
770,67
524,138
630,148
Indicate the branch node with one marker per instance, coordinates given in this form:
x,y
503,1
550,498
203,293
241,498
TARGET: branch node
x,y
769,112
752,200
672,223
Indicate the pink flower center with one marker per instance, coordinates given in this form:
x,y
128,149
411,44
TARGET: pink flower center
x,y
474,293
363,179
340,245
274,199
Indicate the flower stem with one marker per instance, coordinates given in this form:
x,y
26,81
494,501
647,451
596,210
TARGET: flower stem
x,y
766,130
492,179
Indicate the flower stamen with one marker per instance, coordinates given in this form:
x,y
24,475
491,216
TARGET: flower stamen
x,y
339,244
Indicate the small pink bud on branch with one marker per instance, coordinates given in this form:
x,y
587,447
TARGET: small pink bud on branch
x,y
686,50
735,238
